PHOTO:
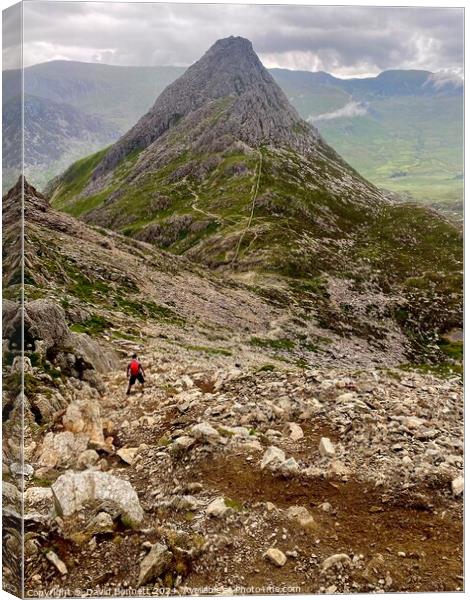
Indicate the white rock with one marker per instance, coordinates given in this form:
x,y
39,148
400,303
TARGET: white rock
x,y
23,469
301,515
334,560
83,416
75,491
101,523
87,459
39,500
58,564
187,381
182,443
205,433
295,432
11,495
217,508
289,467
62,448
326,447
457,486
273,455
275,556
127,454
154,564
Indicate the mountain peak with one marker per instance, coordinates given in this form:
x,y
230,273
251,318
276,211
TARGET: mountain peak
x,y
230,79
232,43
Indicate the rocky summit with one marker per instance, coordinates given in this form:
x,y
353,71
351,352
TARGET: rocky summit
x,y
301,421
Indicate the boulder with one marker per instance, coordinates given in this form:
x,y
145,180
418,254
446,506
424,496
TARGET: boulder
x,y
273,456
127,454
97,491
88,458
295,432
62,449
289,467
154,564
276,557
91,354
45,320
457,486
58,564
204,432
335,559
217,508
326,447
11,499
181,444
301,515
101,523
83,416
38,503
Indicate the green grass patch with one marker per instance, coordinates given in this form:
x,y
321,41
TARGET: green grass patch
x,y
279,344
453,350
236,505
94,325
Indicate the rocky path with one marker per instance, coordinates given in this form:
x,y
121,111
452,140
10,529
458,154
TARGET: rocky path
x,y
254,195
243,481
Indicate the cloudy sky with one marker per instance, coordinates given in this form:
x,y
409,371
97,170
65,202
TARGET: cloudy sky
x,y
345,41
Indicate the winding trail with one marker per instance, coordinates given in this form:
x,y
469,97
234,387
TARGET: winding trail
x,y
194,206
253,200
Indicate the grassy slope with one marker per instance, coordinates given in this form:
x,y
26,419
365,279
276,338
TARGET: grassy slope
x,y
299,233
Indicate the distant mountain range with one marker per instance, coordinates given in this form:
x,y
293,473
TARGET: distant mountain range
x,y
403,130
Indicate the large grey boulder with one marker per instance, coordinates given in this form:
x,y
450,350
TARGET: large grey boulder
x,y
83,416
92,354
97,492
62,449
45,320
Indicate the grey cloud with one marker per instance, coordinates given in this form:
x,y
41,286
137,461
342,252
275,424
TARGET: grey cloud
x,y
342,40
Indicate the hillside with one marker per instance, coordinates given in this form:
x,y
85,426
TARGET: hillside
x,y
55,135
224,171
386,125
264,450
402,129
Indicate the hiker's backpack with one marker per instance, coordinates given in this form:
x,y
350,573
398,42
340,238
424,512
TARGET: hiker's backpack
x,y
134,366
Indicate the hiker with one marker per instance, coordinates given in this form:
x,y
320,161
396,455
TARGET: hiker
x,y
135,371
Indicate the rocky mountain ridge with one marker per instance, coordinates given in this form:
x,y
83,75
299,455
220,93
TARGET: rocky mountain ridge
x,y
231,72
285,210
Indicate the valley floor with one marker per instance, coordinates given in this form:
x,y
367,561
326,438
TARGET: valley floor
x,y
229,463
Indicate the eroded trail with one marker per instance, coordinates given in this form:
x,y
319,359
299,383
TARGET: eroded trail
x,y
227,465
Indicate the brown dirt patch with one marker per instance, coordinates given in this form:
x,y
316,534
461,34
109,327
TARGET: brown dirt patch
x,y
360,522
